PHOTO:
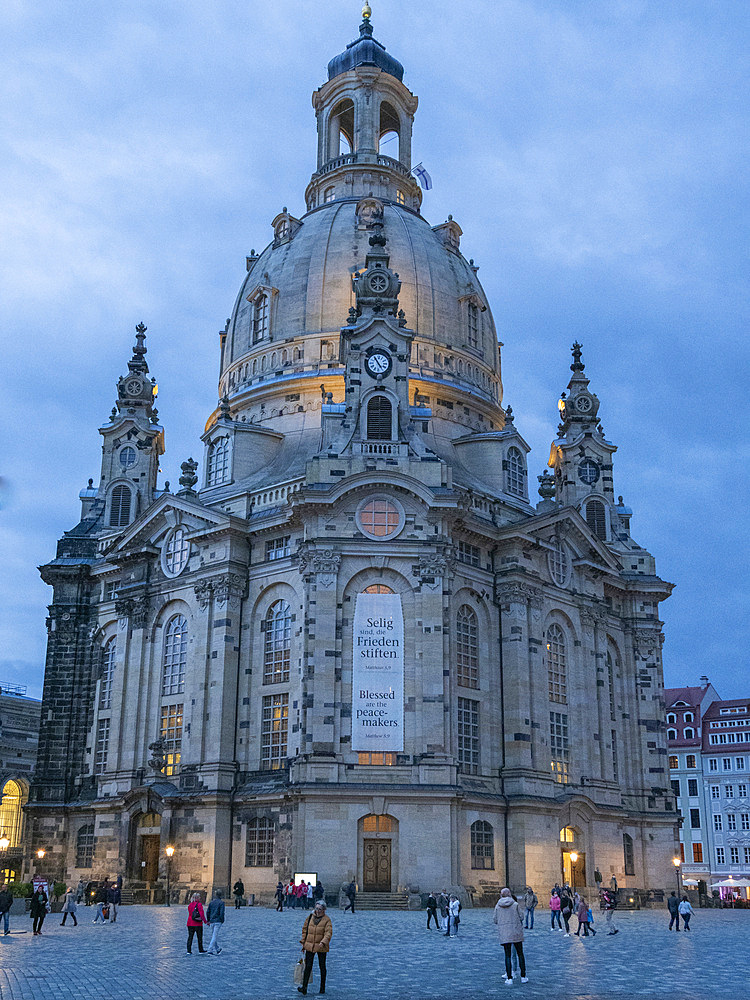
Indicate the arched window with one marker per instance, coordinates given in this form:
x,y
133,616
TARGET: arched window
x,y
556,666
260,318
259,844
689,734
379,415
482,845
218,462
515,474
473,331
341,129
671,734
175,656
389,140
329,194
85,846
109,654
10,813
688,716
672,718
467,647
674,762
119,507
278,643
628,854
596,518
567,835
377,588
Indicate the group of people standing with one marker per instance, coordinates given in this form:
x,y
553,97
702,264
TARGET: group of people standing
x,y
565,902
294,896
444,910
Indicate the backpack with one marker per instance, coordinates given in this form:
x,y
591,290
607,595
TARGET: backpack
x,y
196,914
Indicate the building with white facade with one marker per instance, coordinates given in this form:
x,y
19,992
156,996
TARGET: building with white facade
x,y
685,707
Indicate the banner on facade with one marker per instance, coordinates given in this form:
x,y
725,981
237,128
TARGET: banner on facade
x,y
378,674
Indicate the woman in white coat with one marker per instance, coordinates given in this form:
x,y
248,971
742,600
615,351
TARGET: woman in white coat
x,y
507,917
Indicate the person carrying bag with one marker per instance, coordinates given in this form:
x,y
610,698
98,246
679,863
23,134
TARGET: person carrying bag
x,y
316,938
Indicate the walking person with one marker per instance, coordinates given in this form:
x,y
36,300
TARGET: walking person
x,y
318,892
432,911
239,891
530,901
69,907
215,918
673,905
81,891
351,895
590,915
686,912
309,901
6,901
609,912
583,917
39,904
316,939
100,899
279,897
195,921
507,918
566,910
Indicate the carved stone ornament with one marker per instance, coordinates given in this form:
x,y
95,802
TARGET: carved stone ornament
x,y
369,210
134,608
436,564
158,755
320,563
518,593
203,591
592,616
229,590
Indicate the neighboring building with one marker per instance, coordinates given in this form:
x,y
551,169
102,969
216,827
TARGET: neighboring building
x,y
726,777
19,736
685,707
358,649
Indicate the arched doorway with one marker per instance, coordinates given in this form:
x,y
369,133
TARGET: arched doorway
x,y
573,857
146,846
379,834
10,813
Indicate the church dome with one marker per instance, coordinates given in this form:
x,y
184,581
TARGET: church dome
x,y
365,51
306,279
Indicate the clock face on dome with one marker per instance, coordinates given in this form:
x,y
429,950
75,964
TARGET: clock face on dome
x,y
133,386
583,404
378,363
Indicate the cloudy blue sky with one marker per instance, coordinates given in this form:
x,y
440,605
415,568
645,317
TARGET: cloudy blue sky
x,y
593,151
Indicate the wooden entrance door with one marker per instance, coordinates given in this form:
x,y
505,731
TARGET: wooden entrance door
x,y
377,867
150,858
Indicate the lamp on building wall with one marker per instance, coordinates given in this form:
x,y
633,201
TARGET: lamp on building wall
x,y
40,853
169,851
4,843
677,862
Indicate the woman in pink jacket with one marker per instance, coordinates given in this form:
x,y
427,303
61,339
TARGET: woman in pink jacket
x,y
195,921
554,905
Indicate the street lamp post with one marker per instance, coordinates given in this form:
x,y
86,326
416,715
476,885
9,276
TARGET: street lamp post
x,y
169,851
573,859
677,862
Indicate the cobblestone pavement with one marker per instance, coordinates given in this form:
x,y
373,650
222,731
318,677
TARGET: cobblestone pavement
x,y
374,955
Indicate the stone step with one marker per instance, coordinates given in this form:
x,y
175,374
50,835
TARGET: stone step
x,y
382,901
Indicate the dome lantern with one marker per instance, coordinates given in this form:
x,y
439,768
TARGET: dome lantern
x,y
365,116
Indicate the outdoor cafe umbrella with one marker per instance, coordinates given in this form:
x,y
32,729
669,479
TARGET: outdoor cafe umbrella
x,y
730,883
690,881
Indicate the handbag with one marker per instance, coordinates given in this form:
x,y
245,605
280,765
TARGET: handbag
x,y
299,970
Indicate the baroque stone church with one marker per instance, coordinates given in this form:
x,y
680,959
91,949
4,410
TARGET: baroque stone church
x,y
354,646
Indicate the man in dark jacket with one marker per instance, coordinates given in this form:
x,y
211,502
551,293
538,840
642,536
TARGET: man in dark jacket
x,y
6,901
432,911
114,897
215,917
673,905
239,891
100,899
351,895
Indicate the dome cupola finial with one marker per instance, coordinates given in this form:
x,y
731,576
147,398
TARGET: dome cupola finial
x,y
366,12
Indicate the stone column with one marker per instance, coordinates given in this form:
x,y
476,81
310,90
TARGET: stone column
x,y
133,612
321,658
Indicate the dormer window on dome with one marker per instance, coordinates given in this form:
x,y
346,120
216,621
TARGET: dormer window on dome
x,y
261,300
284,227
